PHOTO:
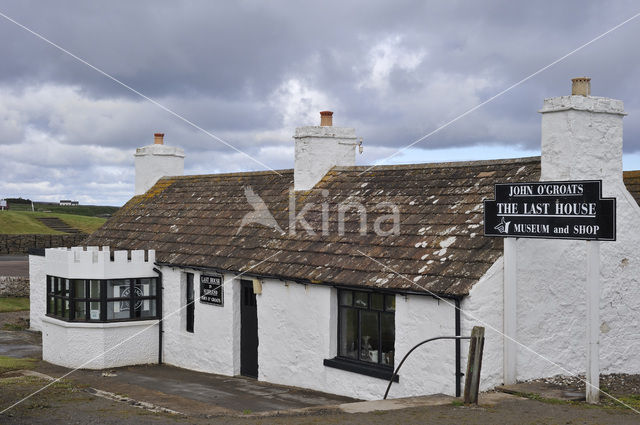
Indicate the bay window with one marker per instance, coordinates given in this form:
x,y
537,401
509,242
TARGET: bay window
x,y
93,300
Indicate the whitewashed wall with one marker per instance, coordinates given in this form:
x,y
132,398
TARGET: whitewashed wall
x,y
214,346
483,307
297,327
37,291
552,302
99,345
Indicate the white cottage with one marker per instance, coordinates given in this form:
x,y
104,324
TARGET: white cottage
x,y
324,276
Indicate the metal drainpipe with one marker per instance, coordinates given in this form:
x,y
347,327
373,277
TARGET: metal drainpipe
x,y
458,350
159,307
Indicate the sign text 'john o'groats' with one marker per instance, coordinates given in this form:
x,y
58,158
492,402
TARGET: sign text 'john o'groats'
x,y
556,210
211,290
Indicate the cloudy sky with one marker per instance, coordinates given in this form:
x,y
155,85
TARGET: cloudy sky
x,y
251,71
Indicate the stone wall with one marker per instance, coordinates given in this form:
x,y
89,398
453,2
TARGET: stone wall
x,y
14,286
20,244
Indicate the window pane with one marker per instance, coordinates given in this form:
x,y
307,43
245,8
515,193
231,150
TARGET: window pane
x,y
65,307
78,287
64,287
348,346
145,288
81,310
145,308
377,301
370,340
390,301
58,311
55,282
118,288
94,311
361,299
51,305
117,310
346,298
388,338
94,289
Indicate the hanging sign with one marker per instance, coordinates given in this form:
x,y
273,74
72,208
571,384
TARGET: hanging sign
x,y
554,210
211,290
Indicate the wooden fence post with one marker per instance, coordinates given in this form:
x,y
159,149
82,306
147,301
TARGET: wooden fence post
x,y
474,366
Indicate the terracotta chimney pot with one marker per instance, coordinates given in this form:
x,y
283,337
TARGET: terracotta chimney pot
x,y
326,118
158,138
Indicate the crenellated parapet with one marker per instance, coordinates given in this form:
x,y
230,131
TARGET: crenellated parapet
x,y
94,262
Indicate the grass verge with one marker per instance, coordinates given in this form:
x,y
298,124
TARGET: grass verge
x,y
14,304
11,363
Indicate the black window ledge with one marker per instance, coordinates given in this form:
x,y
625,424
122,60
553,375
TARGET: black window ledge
x,y
361,368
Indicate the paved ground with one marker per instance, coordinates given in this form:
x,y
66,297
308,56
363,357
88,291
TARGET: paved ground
x,y
65,404
200,394
14,265
176,389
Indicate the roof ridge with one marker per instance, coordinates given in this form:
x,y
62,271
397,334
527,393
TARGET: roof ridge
x,y
523,160
234,174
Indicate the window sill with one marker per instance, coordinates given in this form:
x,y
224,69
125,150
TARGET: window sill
x,y
372,370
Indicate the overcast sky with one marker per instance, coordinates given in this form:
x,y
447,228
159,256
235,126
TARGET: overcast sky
x,y
251,71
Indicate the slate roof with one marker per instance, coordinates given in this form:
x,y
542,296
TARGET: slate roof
x,y
194,221
632,182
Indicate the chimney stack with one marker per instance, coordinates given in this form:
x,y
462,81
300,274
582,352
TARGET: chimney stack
x,y
582,136
155,161
320,148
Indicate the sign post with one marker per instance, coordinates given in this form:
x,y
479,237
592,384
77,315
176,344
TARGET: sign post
x,y
510,316
552,210
593,322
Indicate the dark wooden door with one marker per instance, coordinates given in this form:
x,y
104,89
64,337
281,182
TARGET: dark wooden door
x,y
248,330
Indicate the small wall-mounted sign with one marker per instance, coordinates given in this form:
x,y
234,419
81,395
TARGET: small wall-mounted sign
x,y
554,210
211,290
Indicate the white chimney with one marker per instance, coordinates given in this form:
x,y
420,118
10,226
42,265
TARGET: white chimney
x,y
155,161
320,148
582,136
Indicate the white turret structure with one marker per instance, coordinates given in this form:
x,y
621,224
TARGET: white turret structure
x,y
155,161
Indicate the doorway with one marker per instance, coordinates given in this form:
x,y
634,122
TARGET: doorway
x,y
248,330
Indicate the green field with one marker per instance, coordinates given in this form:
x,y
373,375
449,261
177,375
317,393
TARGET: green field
x,y
14,304
24,222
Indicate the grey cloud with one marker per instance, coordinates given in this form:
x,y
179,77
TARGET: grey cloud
x,y
250,72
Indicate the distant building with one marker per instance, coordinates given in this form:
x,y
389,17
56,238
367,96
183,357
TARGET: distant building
x,y
68,203
3,205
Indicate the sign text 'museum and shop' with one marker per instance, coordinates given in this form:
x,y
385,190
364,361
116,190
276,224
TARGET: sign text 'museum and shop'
x,y
556,210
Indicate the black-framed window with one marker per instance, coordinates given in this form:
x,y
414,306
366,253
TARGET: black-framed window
x,y
102,300
366,327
